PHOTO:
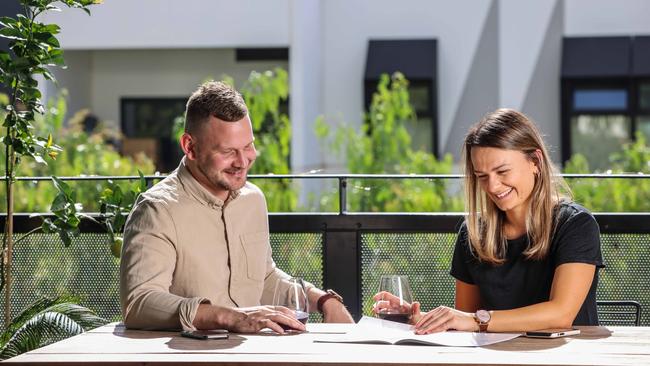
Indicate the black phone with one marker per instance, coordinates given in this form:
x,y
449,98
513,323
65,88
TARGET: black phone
x,y
206,334
552,333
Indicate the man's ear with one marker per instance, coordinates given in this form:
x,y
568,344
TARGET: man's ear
x,y
188,145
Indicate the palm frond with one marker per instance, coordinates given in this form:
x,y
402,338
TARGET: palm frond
x,y
47,325
81,315
32,310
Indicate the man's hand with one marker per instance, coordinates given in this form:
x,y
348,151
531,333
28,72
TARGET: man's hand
x,y
254,319
335,312
246,320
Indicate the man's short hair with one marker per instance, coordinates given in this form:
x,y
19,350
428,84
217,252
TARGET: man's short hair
x,y
214,98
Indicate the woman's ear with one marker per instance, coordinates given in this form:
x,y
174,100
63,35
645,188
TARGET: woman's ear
x,y
537,161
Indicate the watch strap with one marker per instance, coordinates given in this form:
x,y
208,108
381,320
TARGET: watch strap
x,y
330,294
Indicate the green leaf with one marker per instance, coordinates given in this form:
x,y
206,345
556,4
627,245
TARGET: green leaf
x,y
39,159
59,204
143,182
61,186
65,238
12,33
45,322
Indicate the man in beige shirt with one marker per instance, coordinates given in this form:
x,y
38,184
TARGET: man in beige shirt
x,y
196,249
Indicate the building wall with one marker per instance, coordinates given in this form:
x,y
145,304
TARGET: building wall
x,y
348,25
490,54
151,24
606,17
100,78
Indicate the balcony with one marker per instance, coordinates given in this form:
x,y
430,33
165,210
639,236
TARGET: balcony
x,y
344,250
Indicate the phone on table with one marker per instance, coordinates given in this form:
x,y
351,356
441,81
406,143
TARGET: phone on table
x,y
206,334
553,333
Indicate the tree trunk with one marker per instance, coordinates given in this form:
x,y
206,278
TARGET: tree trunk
x,y
9,233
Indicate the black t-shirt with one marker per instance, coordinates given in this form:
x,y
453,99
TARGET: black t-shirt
x,y
521,282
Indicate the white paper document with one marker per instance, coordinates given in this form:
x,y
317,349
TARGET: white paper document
x,y
378,331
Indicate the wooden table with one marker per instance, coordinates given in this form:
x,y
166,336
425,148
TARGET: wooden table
x,y
116,345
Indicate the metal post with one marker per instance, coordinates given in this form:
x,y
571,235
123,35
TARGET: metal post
x,y
343,183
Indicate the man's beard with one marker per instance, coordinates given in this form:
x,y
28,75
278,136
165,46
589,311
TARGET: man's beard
x,y
219,180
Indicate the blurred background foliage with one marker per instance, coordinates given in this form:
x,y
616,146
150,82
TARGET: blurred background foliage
x,y
614,195
381,146
84,154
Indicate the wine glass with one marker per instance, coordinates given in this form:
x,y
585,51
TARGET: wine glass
x,y
292,295
399,287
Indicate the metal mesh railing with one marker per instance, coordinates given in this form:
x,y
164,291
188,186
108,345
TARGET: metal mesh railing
x,y
627,272
43,267
300,255
426,259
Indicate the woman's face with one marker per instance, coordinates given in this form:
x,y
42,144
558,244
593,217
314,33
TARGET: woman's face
x,y
506,176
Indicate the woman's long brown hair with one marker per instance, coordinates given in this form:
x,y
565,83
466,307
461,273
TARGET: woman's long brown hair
x,y
510,130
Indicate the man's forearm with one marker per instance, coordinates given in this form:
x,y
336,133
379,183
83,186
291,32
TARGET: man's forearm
x,y
216,317
313,295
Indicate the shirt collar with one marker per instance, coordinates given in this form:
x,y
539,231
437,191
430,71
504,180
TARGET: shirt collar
x,y
198,191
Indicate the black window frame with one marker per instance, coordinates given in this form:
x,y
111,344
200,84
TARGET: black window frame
x,y
600,78
168,148
413,73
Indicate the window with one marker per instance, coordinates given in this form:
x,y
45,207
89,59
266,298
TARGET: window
x,y
605,96
147,125
599,99
417,60
643,118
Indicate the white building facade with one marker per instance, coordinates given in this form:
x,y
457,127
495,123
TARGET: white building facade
x,y
489,54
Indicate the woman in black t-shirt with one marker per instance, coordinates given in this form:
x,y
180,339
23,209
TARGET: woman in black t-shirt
x,y
526,257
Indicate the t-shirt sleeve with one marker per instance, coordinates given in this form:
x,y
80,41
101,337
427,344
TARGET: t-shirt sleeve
x,y
462,258
578,241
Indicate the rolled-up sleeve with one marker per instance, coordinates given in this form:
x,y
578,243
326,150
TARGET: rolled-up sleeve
x,y
146,271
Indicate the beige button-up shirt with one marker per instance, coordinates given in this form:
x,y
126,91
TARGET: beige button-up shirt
x,y
183,246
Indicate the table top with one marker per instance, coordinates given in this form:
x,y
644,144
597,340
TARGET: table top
x,y
114,344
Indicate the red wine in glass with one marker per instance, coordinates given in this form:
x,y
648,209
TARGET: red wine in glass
x,y
292,295
301,316
395,317
400,298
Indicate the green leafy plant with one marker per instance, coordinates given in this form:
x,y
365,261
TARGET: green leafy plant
x,y
383,146
67,213
34,47
46,321
82,154
265,94
615,195
115,206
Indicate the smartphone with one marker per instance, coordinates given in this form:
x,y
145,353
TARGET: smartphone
x,y
552,333
206,334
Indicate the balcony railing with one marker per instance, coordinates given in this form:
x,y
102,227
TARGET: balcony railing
x,y
343,250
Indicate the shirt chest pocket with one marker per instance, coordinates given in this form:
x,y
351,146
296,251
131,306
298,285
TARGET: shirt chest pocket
x,y
255,247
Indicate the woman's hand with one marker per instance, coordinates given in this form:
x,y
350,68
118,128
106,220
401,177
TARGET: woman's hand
x,y
385,302
444,318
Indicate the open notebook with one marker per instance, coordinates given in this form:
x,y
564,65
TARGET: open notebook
x,y
378,331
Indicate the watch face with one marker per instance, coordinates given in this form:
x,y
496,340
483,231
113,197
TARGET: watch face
x,y
483,316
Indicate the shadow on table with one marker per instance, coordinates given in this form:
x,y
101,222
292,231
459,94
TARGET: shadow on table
x,y
181,343
539,344
189,344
